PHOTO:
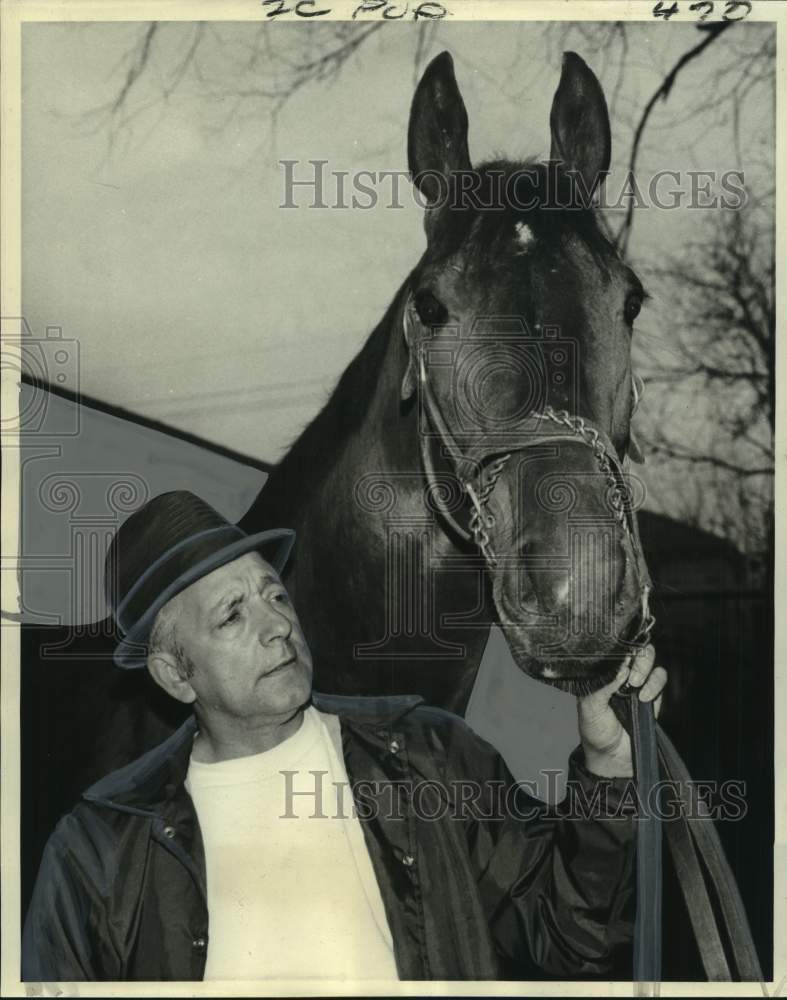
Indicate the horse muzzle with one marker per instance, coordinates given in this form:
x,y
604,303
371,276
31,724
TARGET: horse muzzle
x,y
569,579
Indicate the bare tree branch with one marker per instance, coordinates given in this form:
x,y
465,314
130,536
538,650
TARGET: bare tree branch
x,y
137,67
722,294
663,92
675,452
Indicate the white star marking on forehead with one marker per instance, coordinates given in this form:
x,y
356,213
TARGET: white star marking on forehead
x,y
524,235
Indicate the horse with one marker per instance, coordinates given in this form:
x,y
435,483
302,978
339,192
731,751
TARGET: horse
x,y
468,467
468,470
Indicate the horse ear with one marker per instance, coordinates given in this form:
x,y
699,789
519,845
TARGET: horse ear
x,y
580,123
437,134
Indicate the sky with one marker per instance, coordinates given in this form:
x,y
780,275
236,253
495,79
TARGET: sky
x,y
197,300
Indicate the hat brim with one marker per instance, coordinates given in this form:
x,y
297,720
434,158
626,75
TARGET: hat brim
x,y
273,545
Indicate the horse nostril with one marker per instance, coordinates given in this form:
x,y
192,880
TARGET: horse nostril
x,y
541,590
554,593
594,581
545,593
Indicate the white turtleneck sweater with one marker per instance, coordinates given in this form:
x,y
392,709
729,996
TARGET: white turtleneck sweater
x,y
291,894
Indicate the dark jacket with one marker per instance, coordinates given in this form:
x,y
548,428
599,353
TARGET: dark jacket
x,y
482,891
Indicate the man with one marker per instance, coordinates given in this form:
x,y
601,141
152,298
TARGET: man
x,y
221,855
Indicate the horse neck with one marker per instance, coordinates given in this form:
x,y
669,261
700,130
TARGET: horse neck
x,y
351,482
363,429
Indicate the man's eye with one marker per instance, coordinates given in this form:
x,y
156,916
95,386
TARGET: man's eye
x,y
281,597
233,616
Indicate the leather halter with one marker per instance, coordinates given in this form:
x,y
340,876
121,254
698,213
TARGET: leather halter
x,y
478,478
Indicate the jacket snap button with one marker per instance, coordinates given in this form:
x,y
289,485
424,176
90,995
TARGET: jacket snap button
x,y
169,832
199,944
394,747
408,860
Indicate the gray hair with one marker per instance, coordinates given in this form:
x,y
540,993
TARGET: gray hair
x,y
164,639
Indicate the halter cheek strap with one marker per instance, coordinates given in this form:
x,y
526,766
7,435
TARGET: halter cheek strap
x,y
637,390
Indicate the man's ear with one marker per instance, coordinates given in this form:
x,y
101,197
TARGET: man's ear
x,y
168,674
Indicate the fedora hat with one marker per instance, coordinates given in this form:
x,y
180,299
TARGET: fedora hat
x,y
164,547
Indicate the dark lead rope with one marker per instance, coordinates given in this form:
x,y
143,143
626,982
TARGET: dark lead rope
x,y
647,925
695,848
695,845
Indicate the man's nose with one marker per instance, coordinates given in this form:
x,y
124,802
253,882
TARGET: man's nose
x,y
273,624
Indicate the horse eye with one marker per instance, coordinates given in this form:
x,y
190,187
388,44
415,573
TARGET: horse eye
x,y
632,308
431,311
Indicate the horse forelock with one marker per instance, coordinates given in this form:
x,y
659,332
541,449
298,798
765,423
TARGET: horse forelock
x,y
512,208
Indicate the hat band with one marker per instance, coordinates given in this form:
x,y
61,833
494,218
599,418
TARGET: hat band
x,y
162,560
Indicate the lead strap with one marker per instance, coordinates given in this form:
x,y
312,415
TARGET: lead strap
x,y
647,927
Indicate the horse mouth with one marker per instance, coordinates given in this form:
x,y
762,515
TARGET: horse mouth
x,y
583,685
585,665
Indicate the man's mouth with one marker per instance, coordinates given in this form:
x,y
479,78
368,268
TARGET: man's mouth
x,y
281,665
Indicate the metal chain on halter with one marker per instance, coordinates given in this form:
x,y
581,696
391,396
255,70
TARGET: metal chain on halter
x,y
591,436
619,497
648,620
482,520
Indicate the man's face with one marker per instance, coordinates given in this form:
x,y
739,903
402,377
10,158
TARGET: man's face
x,y
239,629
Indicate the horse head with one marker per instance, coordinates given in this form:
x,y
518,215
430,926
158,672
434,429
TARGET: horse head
x,y
518,328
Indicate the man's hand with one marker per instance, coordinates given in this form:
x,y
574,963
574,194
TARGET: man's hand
x,y
606,743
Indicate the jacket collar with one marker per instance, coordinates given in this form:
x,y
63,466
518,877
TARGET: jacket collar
x,y
144,785
372,710
147,783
